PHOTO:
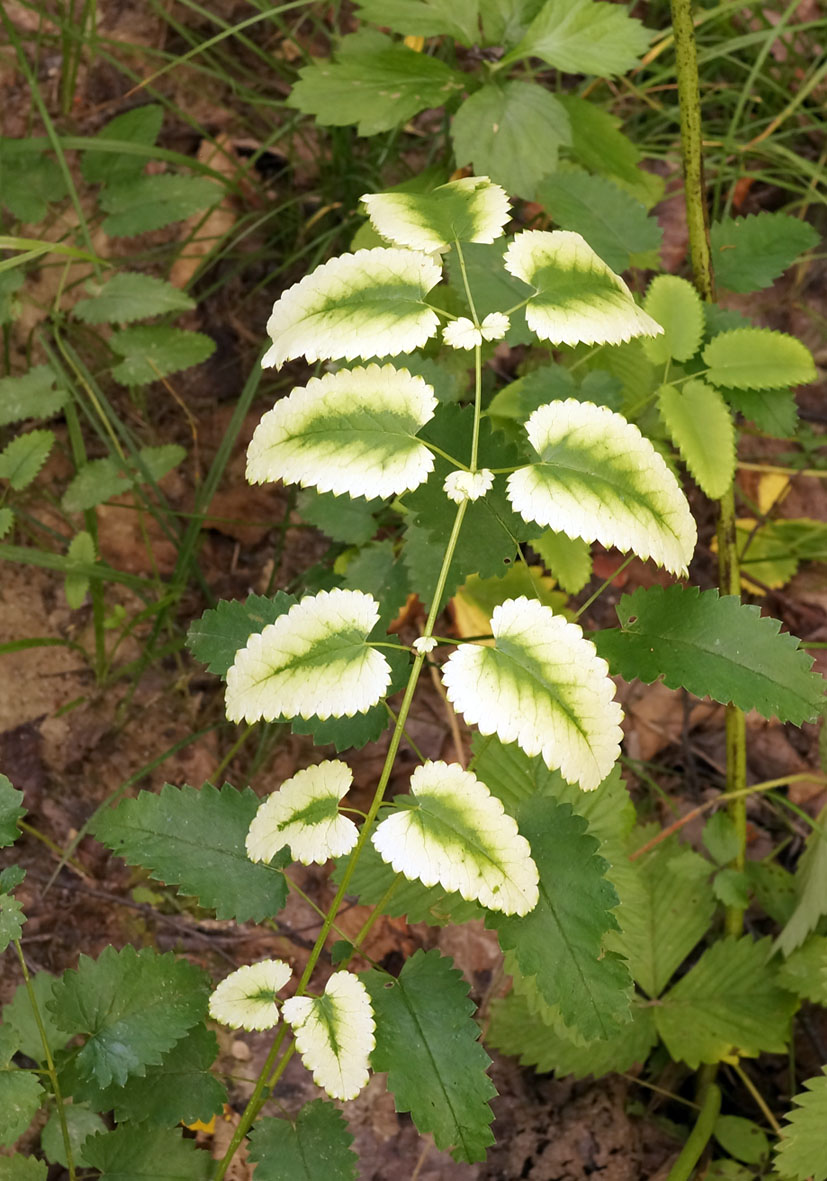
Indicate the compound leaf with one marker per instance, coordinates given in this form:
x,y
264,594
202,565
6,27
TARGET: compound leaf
x,y
471,209
314,1148
751,252
674,304
801,1154
138,1153
195,839
31,395
153,351
215,638
701,426
583,37
599,479
20,1096
141,203
334,1034
132,296
134,1005
352,432
371,303
22,458
758,359
428,1043
713,646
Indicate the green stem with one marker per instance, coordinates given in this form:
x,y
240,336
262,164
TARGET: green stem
x,y
699,1137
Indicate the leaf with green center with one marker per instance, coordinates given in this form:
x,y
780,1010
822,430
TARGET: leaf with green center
x,y
800,1154
195,840
11,920
542,686
568,558
140,126
583,37
334,1034
246,999
701,426
451,831
611,221
352,432
32,395
142,203
134,1005
131,296
215,638
316,1147
804,972
304,814
511,132
517,1031
313,661
153,351
371,303
599,479
673,303
728,1003
578,299
560,944
374,82
715,647
20,1097
471,209
138,1153
810,888
758,359
426,18
428,1043
751,252
22,458
11,810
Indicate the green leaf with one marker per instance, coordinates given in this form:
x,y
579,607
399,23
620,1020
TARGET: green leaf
x,y
804,972
559,945
351,432
80,1123
452,832
134,1005
583,37
19,1016
721,839
801,1154
511,132
568,558
774,889
371,303
578,299
426,18
81,550
215,638
701,427
516,1030
599,146
713,646
100,479
774,412
6,521
11,810
132,296
154,351
728,1003
30,182
811,889
142,203
11,920
138,1153
541,686
22,1168
374,82
471,209
180,1090
23,457
138,126
674,304
10,284
20,1095
613,223
32,395
742,1139
379,572
758,359
668,905
494,290
599,479
196,840
428,1042
350,522
316,1147
751,252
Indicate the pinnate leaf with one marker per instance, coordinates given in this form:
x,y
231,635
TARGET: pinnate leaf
x,y
371,303
579,299
134,1005
713,646
22,458
314,1148
751,252
32,395
452,832
304,814
471,209
701,426
137,1153
334,1034
674,304
141,203
215,638
428,1043
583,37
195,839
758,359
801,1154
131,296
599,479
352,432
153,351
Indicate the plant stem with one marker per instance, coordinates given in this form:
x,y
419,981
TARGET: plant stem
x,y
699,1136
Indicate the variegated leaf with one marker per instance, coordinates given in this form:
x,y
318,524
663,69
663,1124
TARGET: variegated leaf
x,y
246,999
471,209
304,814
334,1034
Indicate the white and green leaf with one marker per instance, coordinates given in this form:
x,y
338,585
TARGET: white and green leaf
x,y
312,661
367,304
578,299
471,209
701,426
674,304
542,686
452,832
246,999
349,432
335,1034
304,814
599,479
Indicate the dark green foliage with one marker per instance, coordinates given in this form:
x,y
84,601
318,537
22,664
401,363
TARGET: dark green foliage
x,y
316,1147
